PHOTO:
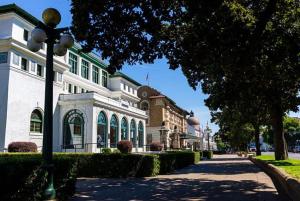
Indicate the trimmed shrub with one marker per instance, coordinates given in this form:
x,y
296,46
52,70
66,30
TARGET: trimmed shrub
x,y
124,146
207,154
22,147
30,175
117,165
173,160
106,150
156,146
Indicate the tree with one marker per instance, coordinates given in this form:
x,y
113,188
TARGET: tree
x,y
232,48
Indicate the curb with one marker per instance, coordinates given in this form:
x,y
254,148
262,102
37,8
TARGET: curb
x,y
286,185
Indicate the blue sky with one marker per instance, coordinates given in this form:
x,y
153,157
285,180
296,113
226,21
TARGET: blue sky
x,y
169,82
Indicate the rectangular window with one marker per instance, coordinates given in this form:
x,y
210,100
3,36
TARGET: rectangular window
x,y
24,64
39,70
85,69
3,57
70,88
32,66
16,59
96,74
104,78
59,77
25,35
73,63
75,89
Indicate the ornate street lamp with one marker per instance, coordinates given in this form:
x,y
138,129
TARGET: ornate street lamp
x,y
57,40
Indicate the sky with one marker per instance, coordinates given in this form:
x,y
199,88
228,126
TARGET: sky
x,y
171,83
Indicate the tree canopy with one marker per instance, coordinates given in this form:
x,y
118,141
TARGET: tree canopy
x,y
234,49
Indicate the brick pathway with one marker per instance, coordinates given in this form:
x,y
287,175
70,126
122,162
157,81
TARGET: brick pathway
x,y
225,178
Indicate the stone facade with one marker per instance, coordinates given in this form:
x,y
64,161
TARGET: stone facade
x,y
161,109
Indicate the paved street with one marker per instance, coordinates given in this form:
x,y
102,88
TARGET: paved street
x,y
225,178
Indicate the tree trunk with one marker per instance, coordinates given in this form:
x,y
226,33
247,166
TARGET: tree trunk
x,y
279,139
257,143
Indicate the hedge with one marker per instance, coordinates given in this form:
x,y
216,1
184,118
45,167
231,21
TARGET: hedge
x,y
24,178
208,154
173,160
117,165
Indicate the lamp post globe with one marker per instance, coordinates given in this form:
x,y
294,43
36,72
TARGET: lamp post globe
x,y
33,46
51,17
66,40
38,35
59,50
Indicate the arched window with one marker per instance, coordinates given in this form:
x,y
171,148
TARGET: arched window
x,y
124,129
114,130
73,133
141,134
133,132
145,106
36,121
102,130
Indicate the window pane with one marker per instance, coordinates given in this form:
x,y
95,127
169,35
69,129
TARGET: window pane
x,y
39,70
73,63
104,78
25,35
24,64
85,69
15,59
59,77
96,74
3,57
70,88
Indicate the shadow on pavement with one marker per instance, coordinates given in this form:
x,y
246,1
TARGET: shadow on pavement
x,y
173,189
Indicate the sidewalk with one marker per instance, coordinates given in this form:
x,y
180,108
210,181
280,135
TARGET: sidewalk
x,y
225,178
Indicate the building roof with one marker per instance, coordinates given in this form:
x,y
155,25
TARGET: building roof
x,y
158,94
76,48
119,74
16,9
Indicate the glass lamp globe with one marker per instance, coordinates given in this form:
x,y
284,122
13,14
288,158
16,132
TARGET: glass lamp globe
x,y
59,50
51,17
33,46
66,40
38,35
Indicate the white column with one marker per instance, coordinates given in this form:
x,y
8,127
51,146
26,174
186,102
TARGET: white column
x,y
90,71
119,130
108,129
145,135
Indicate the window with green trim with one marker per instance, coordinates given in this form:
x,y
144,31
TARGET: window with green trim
x,y
85,69
36,122
140,134
104,78
96,74
114,130
124,129
73,63
133,132
73,130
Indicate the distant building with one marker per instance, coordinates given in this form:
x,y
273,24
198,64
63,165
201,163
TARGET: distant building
x,y
167,122
92,108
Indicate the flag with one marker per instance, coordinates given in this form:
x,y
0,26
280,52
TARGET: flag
x,y
147,77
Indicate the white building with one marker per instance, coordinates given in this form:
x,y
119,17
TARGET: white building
x,y
91,108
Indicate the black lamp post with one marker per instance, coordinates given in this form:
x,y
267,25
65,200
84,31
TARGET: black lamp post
x,y
57,40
